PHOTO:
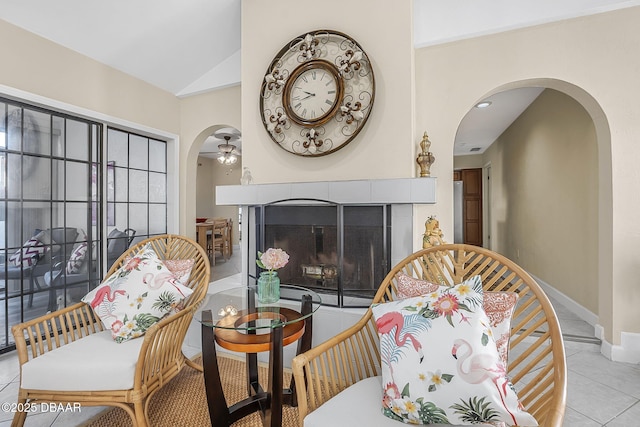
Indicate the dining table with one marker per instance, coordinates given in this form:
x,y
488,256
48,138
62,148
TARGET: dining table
x,y
219,230
202,229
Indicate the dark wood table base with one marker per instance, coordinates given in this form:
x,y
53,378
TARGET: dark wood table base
x,y
268,402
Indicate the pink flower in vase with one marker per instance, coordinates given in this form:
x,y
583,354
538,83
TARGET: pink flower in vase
x,y
269,283
272,259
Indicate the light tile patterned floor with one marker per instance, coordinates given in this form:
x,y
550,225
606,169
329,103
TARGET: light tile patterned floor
x,y
601,392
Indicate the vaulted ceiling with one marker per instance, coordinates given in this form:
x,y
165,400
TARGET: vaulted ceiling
x,y
193,46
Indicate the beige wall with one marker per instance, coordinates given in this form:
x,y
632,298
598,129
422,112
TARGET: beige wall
x,y
468,162
385,32
544,188
38,66
594,59
205,186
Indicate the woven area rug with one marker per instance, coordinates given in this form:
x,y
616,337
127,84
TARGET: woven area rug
x,y
182,402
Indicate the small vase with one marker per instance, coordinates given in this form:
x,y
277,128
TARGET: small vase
x,y
268,287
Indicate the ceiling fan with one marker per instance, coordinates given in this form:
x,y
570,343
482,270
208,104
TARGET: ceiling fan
x,y
226,153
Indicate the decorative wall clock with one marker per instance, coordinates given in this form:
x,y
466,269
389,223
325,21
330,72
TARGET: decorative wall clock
x,y
317,93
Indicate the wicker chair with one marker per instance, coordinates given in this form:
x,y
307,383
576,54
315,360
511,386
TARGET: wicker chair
x,y
536,366
160,356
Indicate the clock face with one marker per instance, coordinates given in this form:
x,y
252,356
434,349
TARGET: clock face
x,y
317,93
312,93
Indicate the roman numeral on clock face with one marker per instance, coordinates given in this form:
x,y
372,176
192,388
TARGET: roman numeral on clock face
x,y
313,95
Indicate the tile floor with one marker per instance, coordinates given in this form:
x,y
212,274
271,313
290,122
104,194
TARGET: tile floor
x,y
600,393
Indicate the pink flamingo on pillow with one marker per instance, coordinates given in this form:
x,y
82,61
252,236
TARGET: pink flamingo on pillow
x,y
388,321
476,368
106,293
103,301
156,282
391,346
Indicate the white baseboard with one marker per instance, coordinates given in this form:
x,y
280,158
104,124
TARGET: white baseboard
x,y
629,349
567,302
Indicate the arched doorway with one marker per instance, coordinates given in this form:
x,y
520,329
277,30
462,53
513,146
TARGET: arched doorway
x,y
547,180
219,163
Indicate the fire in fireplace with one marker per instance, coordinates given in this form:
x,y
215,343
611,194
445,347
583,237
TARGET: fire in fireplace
x,y
340,251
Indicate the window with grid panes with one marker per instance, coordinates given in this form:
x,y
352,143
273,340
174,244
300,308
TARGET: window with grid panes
x,y
138,200
53,178
48,192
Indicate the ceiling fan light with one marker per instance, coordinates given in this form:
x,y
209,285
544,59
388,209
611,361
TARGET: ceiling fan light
x,y
227,153
227,158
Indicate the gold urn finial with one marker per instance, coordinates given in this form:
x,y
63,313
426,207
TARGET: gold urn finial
x,y
425,158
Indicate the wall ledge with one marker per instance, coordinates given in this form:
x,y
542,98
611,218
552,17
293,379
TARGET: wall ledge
x,y
371,191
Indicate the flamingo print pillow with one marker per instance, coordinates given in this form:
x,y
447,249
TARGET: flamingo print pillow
x,y
499,307
136,296
440,363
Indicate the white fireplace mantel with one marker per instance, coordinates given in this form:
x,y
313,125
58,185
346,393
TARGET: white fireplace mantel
x,y
370,191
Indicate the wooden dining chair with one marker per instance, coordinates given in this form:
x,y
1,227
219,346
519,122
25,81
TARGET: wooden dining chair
x,y
218,241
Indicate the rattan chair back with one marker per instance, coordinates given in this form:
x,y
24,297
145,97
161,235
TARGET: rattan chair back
x,y
537,363
160,358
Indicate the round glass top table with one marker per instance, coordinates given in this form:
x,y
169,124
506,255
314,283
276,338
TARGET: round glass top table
x,y
235,319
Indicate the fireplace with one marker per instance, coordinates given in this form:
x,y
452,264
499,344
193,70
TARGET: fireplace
x,y
340,251
342,278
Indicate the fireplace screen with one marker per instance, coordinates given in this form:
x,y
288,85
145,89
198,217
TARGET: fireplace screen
x,y
340,251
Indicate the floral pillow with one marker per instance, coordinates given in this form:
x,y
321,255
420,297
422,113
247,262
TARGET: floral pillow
x,y
181,268
440,363
499,307
137,295
411,287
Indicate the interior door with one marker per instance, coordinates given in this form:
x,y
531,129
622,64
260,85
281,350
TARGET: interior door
x,y
472,206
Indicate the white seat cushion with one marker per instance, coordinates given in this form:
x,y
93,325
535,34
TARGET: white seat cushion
x,y
358,405
95,362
